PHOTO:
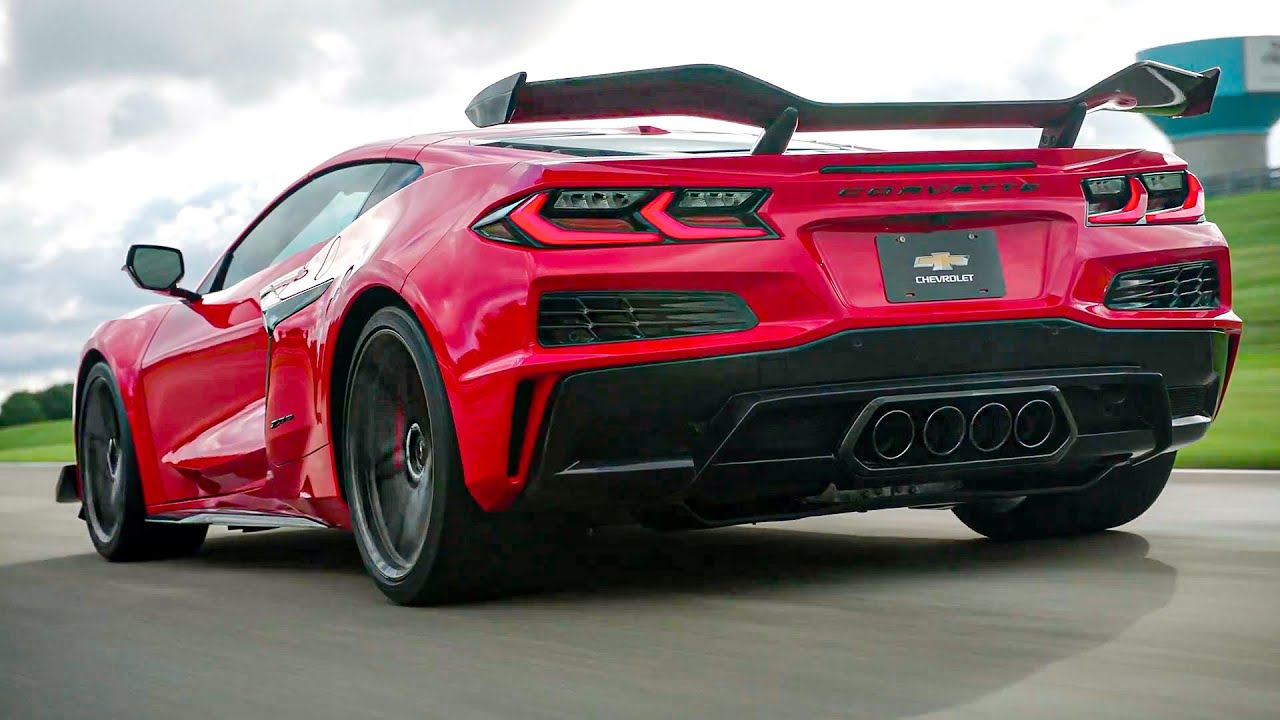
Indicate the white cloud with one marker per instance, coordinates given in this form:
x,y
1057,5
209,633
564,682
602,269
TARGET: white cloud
x,y
4,35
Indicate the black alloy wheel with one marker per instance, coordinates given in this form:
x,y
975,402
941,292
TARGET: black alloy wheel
x,y
422,536
111,489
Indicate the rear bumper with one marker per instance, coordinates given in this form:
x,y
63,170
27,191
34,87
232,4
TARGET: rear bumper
x,y
786,424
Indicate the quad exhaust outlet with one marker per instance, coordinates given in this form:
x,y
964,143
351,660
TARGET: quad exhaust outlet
x,y
967,430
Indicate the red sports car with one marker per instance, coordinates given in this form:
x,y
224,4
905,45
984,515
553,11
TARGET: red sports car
x,y
463,345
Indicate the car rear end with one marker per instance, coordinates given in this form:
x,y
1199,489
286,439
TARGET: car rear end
x,y
770,330
738,337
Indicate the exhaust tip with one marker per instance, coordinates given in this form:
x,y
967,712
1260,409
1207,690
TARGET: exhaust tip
x,y
1034,424
990,427
893,434
944,430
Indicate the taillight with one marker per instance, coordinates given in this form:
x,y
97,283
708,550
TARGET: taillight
x,y
1130,203
1182,201
1150,198
600,217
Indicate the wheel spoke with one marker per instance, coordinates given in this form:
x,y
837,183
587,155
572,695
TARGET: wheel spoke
x,y
414,518
116,495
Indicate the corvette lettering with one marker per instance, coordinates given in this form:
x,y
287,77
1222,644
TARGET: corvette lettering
x,y
886,190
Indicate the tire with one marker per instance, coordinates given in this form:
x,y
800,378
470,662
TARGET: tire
x,y
422,537
114,510
1119,497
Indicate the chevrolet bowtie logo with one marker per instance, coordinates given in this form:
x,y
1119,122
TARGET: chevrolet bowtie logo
x,y
941,261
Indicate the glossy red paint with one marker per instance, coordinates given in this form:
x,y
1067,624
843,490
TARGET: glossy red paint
x,y
203,382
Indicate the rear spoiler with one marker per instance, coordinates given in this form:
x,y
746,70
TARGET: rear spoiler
x,y
721,93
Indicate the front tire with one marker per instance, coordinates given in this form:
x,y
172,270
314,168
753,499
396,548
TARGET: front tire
x,y
421,535
114,509
1120,497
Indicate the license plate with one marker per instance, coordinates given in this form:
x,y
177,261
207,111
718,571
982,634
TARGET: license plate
x,y
946,265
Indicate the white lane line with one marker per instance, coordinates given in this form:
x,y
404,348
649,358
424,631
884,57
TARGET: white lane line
x,y
1226,471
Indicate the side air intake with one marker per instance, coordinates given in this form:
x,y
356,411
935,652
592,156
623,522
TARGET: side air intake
x,y
1186,286
580,318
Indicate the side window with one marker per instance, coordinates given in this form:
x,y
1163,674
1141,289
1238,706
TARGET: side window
x,y
398,175
313,213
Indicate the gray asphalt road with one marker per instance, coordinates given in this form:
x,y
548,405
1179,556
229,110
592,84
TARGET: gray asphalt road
x,y
887,615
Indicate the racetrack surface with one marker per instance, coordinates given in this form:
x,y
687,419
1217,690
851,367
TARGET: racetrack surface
x,y
891,614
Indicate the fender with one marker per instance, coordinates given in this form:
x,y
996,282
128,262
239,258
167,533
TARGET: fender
x,y
304,311
122,343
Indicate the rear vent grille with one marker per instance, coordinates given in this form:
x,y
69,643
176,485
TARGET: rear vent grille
x,y
580,318
1188,286
519,423
1187,401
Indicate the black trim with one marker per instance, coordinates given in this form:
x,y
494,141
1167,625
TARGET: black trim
x,y
68,488
1009,455
1065,132
928,167
172,288
398,175
1182,286
593,317
772,423
275,313
520,406
775,138
722,93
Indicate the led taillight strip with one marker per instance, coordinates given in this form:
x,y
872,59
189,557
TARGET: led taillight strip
x,y
1137,209
1192,208
527,216
652,222
1133,211
655,213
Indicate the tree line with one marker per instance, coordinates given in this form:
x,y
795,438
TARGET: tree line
x,y
52,403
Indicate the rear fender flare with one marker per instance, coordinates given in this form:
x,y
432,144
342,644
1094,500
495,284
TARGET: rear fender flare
x,y
122,344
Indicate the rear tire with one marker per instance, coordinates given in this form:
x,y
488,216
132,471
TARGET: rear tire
x,y
1123,495
422,537
111,489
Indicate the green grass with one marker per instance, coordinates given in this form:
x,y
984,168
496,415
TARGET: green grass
x,y
1252,226
42,441
1246,434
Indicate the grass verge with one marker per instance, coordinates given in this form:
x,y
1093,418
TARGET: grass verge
x,y
48,441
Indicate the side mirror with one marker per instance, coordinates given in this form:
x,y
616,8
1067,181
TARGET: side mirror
x,y
158,269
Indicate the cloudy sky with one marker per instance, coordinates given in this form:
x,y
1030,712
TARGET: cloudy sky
x,y
172,122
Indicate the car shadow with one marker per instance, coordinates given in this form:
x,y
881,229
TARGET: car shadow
x,y
796,623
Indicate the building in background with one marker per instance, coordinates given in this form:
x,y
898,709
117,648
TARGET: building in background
x,y
1227,148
